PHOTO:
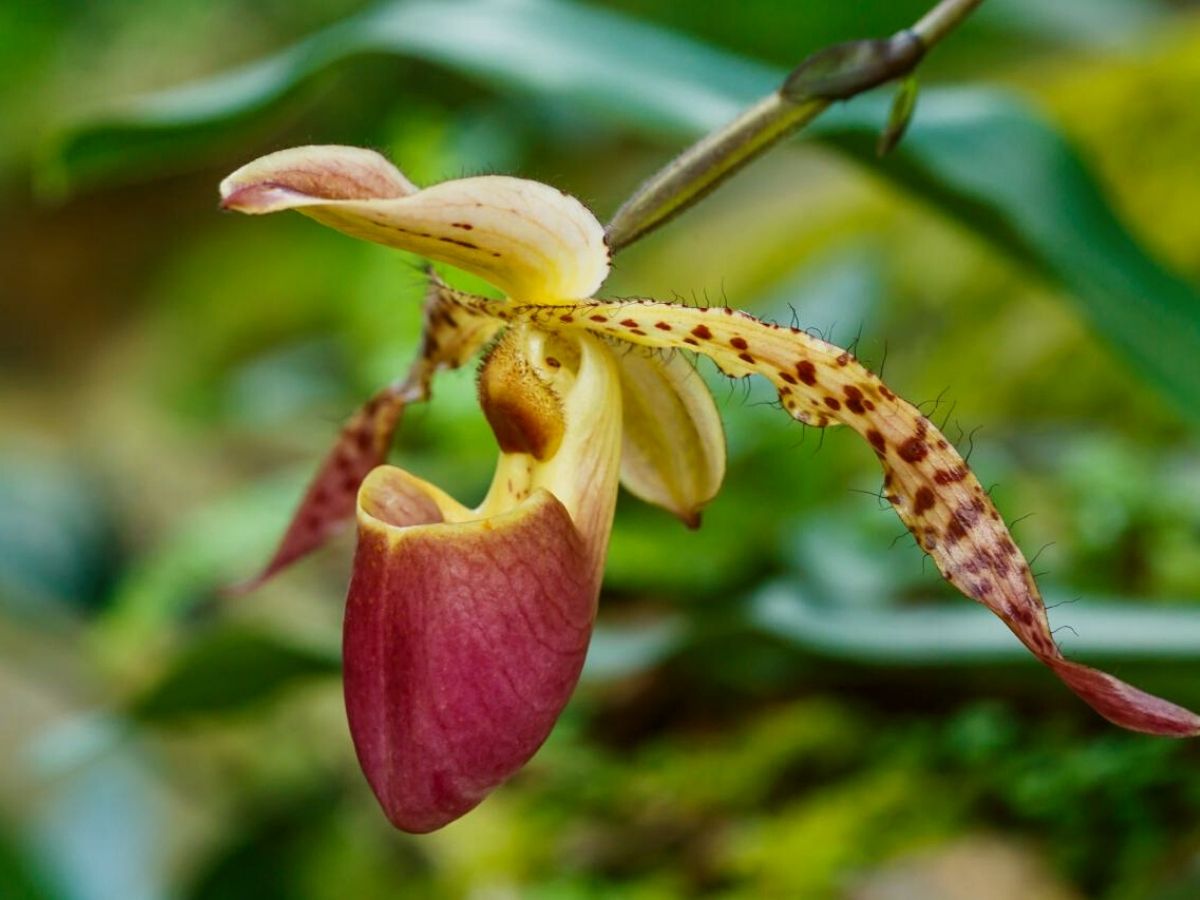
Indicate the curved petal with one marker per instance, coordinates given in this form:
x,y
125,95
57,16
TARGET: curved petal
x,y
530,240
283,180
462,644
926,481
673,443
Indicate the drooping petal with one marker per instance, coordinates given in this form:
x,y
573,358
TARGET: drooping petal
x,y
673,443
926,481
328,503
530,240
451,335
466,630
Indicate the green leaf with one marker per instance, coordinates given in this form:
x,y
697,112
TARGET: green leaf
x,y
981,156
904,104
229,671
943,635
984,158
20,875
267,856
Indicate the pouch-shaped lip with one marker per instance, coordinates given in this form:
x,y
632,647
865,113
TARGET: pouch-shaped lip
x,y
462,643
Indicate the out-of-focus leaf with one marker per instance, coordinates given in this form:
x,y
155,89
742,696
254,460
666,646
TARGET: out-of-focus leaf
x,y
212,548
20,878
549,47
229,671
618,651
981,156
985,158
57,543
266,860
73,743
963,635
1084,23
100,830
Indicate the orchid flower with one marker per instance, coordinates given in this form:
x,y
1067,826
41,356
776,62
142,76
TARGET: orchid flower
x,y
466,629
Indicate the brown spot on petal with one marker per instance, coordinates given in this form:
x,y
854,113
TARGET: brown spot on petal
x,y
955,531
467,244
807,372
738,343
702,332
913,450
877,441
854,399
947,476
924,501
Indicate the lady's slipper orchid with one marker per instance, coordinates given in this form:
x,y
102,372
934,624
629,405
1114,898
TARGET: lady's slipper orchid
x,y
466,629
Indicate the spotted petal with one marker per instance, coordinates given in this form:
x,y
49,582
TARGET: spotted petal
x,y
926,481
530,240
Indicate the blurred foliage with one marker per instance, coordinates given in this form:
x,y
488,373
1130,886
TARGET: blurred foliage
x,y
777,705
981,156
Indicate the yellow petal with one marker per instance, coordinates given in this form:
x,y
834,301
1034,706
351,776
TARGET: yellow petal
x,y
530,240
673,444
926,481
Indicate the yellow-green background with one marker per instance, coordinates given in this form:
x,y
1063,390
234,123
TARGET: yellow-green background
x,y
787,703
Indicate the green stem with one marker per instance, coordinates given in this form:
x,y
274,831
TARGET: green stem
x,y
942,19
836,73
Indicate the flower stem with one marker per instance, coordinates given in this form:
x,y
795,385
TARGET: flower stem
x,y
835,73
942,19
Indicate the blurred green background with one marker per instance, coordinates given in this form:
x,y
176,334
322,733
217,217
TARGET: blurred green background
x,y
787,703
